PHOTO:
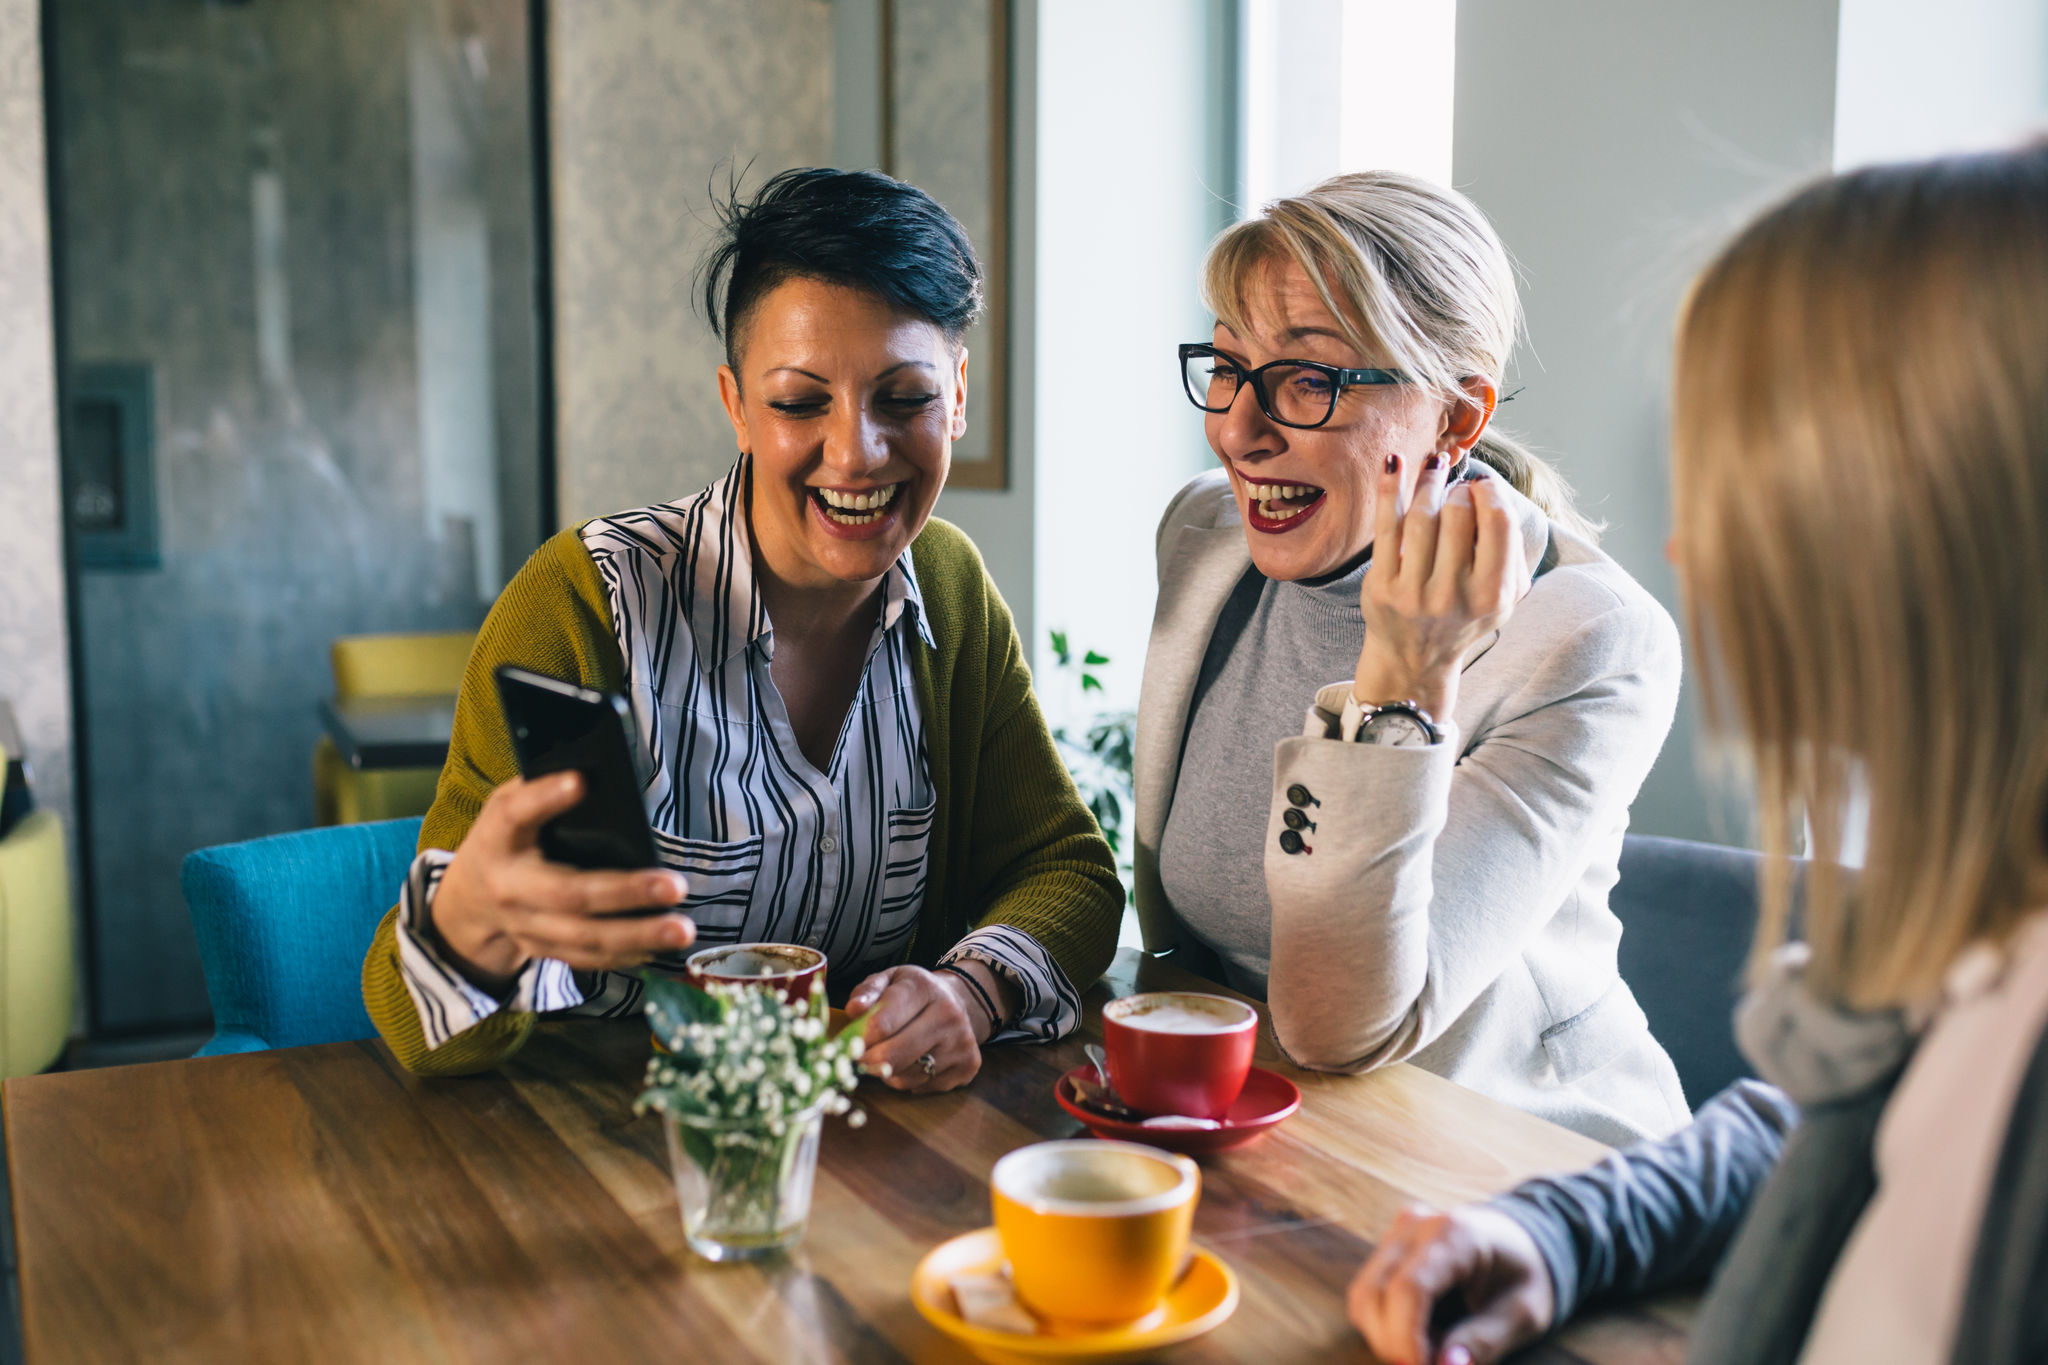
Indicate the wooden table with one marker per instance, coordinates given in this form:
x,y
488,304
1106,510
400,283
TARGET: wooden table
x,y
391,732
320,1204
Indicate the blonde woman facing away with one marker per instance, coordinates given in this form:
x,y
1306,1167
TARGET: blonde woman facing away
x,y
1485,690
1861,482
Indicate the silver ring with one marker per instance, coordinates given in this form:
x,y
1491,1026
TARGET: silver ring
x,y
931,1067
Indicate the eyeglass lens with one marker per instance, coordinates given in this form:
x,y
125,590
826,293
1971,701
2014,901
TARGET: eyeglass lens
x,y
1294,394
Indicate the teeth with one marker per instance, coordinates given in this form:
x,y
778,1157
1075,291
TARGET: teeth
x,y
1273,511
856,509
1279,492
859,502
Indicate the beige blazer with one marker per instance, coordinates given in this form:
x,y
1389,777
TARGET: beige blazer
x,y
1454,911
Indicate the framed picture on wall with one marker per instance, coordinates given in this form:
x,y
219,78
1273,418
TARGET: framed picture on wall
x,y
946,129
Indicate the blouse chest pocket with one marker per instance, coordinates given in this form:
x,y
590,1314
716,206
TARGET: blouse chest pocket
x,y
721,882
906,861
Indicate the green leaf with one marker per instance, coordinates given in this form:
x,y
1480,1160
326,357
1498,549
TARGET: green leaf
x,y
1091,657
854,1024
698,1144
1059,647
672,1004
1090,683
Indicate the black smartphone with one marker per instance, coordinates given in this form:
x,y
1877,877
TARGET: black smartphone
x,y
557,726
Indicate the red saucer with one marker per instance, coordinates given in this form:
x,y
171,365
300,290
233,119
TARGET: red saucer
x,y
1267,1100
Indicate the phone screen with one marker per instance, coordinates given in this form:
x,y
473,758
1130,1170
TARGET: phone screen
x,y
557,726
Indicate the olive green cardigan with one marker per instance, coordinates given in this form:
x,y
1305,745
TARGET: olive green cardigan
x,y
1011,842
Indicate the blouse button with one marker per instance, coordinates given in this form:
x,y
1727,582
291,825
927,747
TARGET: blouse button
x,y
1302,796
828,844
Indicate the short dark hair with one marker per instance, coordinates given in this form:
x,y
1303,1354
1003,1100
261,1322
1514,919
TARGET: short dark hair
x,y
861,229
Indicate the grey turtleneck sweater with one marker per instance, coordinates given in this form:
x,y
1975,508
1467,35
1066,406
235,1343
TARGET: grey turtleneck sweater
x,y
1258,680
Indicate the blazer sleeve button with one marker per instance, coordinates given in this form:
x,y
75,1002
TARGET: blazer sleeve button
x,y
1290,841
1301,796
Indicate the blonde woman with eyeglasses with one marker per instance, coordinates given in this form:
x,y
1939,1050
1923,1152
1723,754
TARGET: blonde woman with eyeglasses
x,y
1860,456
1421,872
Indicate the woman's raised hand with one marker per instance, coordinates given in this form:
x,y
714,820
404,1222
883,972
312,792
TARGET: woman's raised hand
x,y
501,904
1446,573
1477,1253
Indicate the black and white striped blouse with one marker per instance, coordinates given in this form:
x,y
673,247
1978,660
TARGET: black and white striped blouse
x,y
773,849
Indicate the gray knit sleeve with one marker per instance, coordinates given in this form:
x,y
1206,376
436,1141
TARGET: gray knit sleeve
x,y
1659,1213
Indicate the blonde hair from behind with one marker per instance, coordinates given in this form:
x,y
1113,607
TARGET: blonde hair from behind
x,y
1860,478
1419,281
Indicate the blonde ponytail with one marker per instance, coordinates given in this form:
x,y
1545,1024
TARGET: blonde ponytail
x,y
1535,479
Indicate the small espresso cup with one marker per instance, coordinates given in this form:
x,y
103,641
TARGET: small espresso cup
x,y
1179,1052
785,968
1095,1232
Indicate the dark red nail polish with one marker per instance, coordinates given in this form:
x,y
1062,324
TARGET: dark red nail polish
x,y
1393,464
1433,464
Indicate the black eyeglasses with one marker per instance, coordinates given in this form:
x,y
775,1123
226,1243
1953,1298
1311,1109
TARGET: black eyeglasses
x,y
1294,393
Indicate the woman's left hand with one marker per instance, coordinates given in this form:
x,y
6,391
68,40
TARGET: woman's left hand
x,y
1446,573
917,1015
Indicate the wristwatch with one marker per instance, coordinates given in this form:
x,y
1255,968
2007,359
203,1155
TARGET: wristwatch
x,y
1397,724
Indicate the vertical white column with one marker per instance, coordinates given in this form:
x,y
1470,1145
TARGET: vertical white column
x,y
1399,60
1124,215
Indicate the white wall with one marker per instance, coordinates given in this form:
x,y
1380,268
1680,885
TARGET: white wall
x,y
1917,79
1615,144
1125,210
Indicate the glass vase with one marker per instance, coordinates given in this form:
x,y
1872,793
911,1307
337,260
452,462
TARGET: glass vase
x,y
744,1189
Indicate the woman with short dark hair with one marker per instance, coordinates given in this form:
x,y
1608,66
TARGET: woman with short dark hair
x,y
841,743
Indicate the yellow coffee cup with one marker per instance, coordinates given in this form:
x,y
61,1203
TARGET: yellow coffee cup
x,y
1095,1232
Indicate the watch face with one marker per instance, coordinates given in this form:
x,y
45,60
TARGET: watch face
x,y
1397,729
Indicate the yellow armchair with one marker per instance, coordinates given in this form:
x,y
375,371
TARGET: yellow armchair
x,y
384,666
37,978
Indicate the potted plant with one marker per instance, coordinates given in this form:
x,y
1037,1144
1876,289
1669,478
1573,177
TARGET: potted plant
x,y
743,1081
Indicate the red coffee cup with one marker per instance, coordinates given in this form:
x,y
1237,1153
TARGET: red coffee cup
x,y
1179,1052
788,969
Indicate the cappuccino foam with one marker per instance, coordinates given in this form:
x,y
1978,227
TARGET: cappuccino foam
x,y
1103,1176
757,962
1175,1016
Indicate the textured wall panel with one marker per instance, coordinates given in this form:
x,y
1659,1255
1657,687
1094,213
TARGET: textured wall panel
x,y
241,215
651,100
35,670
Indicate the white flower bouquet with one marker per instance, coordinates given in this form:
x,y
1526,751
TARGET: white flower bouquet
x,y
743,1082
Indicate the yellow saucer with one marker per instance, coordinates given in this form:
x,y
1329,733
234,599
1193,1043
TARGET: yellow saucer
x,y
1205,1296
